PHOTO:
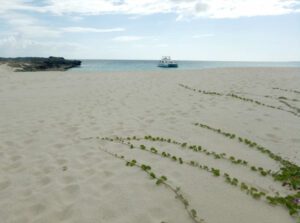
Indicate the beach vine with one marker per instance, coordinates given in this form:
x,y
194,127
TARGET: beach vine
x,y
249,190
289,105
286,90
289,172
200,149
291,202
162,180
235,96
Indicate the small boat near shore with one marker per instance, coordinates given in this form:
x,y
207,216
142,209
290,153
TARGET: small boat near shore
x,y
167,62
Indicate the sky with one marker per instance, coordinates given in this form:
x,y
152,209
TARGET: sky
x,y
223,30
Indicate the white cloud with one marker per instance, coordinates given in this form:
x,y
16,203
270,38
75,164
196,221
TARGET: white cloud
x,y
30,27
16,41
127,38
183,8
93,7
249,8
90,30
16,45
9,40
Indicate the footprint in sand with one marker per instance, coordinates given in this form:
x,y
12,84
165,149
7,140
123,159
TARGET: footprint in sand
x,y
66,213
9,143
29,141
61,161
4,185
72,129
47,169
44,181
26,193
15,158
89,172
108,173
107,186
68,179
149,121
295,140
36,130
37,209
14,166
273,137
72,190
59,145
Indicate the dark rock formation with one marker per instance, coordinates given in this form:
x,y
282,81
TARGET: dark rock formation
x,y
40,63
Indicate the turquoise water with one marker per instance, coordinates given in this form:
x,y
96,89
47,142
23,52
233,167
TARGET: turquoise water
x,y
151,65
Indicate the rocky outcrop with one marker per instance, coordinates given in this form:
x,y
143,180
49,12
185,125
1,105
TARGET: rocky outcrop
x,y
40,64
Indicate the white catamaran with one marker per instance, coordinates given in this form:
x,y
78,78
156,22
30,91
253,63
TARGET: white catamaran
x,y
167,62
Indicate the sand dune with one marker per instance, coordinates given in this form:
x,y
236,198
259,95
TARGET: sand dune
x,y
53,167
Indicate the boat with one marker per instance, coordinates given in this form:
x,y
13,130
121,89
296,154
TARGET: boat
x,y
167,62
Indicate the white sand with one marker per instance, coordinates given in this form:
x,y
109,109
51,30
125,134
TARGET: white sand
x,y
48,173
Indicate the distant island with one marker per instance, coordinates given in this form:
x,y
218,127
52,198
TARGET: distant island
x,y
24,64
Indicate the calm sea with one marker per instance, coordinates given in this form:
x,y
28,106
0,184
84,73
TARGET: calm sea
x,y
151,65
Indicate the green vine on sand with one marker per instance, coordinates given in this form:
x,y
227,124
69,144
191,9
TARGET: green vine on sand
x,y
290,106
235,96
291,202
268,96
162,180
289,173
201,149
249,190
286,90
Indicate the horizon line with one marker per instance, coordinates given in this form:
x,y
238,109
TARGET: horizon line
x,y
192,60
195,60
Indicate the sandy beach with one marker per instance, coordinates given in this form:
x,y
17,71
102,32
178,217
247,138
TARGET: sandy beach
x,y
53,161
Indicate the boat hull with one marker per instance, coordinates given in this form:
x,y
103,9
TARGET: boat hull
x,y
168,65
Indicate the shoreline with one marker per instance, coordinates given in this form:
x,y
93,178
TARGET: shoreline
x,y
159,70
171,70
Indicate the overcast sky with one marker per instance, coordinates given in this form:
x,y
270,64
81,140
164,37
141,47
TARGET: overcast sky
x,y
243,30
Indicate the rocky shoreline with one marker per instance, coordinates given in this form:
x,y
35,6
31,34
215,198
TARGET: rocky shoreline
x,y
24,64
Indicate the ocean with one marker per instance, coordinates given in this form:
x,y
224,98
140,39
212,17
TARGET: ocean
x,y
151,65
